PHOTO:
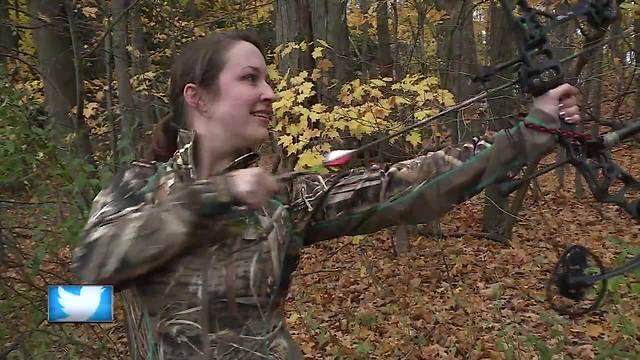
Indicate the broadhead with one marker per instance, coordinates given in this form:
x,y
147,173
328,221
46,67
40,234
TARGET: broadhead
x,y
338,158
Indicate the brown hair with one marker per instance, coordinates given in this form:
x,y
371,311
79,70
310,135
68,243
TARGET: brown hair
x,y
200,63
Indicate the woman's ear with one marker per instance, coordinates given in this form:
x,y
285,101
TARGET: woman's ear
x,y
193,97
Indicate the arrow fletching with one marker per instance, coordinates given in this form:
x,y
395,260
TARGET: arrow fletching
x,y
338,158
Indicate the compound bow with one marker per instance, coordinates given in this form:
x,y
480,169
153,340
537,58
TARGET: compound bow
x,y
578,270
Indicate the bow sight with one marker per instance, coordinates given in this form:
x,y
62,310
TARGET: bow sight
x,y
578,283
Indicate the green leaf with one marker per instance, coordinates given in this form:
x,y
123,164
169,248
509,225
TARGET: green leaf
x,y
616,240
364,348
628,327
615,283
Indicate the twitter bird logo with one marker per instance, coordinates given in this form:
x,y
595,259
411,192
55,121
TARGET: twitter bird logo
x,y
80,303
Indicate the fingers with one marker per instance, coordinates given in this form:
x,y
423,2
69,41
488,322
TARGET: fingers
x,y
560,102
564,91
568,109
253,187
570,114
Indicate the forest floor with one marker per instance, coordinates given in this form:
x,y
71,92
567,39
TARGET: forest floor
x,y
454,297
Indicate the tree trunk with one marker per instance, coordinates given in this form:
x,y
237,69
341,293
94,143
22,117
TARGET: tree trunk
x,y
398,72
144,110
128,122
500,48
562,48
384,59
636,55
457,47
457,53
594,98
418,50
329,23
293,24
8,39
77,65
364,48
54,50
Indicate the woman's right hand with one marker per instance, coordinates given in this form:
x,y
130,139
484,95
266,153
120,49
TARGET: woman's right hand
x,y
252,186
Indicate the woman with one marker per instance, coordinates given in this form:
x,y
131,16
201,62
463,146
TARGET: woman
x,y
206,250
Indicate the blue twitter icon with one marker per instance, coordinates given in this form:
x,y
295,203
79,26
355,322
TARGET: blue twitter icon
x,y
80,303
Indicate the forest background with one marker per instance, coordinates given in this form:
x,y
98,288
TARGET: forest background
x,y
82,83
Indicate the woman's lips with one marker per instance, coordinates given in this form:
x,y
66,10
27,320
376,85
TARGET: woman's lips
x,y
263,117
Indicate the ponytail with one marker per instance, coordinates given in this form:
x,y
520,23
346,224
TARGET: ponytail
x,y
164,140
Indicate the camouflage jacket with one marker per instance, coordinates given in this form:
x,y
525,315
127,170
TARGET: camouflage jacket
x,y
205,278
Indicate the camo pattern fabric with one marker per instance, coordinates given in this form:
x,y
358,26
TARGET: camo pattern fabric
x,y
204,278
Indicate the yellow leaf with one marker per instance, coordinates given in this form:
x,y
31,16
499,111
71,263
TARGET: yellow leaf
x,y
593,330
425,97
89,109
432,80
345,98
357,93
401,100
414,138
317,52
287,49
380,112
293,318
323,43
90,12
285,140
293,148
309,159
375,93
332,133
316,74
294,129
272,72
319,108
377,82
420,115
446,98
297,80
306,88
309,134
369,119
323,148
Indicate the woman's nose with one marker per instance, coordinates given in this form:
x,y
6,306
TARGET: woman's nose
x,y
267,93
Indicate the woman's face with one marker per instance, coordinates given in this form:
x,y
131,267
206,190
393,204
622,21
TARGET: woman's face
x,y
240,108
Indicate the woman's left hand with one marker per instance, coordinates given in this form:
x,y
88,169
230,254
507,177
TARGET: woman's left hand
x,y
561,103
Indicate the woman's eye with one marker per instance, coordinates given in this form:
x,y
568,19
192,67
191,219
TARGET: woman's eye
x,y
251,77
